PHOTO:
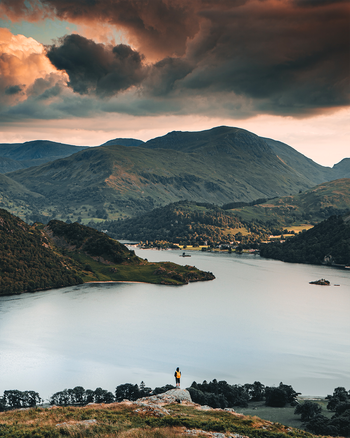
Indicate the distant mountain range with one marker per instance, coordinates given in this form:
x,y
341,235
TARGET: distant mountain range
x,y
128,176
14,156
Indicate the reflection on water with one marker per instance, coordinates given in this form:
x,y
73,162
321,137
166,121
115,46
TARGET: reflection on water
x,y
259,320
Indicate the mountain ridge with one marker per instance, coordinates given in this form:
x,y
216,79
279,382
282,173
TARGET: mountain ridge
x,y
15,156
219,166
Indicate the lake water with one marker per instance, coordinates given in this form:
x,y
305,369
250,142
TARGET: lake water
x,y
258,320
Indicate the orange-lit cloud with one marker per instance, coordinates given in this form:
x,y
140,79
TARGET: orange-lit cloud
x,y
24,68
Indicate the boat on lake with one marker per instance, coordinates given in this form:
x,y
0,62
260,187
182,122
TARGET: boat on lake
x,y
322,282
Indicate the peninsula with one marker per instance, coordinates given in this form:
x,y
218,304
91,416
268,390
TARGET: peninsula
x,y
41,257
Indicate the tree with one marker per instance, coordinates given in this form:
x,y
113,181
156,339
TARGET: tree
x,y
340,395
275,397
256,391
127,391
308,410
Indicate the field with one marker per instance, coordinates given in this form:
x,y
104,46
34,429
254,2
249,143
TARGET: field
x,y
280,415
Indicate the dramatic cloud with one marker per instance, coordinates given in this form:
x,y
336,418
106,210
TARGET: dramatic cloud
x,y
287,57
23,62
96,68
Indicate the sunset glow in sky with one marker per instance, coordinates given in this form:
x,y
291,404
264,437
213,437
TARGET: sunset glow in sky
x,y
86,71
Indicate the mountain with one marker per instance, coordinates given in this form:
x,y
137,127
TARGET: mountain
x,y
18,198
58,255
124,142
325,243
343,168
298,161
311,206
245,145
218,166
15,156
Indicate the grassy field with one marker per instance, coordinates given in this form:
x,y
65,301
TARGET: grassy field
x,y
145,272
281,415
130,421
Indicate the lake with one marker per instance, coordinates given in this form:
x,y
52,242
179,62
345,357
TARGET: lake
x,y
258,320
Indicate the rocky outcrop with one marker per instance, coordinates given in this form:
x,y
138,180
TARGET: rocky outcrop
x,y
172,396
155,403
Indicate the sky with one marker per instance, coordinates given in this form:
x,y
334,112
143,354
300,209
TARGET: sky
x,y
86,71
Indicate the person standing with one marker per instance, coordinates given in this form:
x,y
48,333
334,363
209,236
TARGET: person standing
x,y
177,376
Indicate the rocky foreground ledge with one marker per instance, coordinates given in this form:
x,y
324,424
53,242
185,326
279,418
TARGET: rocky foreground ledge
x,y
168,415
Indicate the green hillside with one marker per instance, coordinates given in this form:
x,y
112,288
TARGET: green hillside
x,y
15,156
194,223
27,262
42,257
186,222
327,242
129,420
311,206
217,166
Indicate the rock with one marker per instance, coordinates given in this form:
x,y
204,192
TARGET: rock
x,y
172,396
83,423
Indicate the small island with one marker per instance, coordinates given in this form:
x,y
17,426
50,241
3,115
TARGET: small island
x,y
321,282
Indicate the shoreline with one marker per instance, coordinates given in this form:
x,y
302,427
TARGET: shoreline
x,y
116,281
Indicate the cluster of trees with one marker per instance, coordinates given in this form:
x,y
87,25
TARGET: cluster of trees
x,y
27,262
215,394
315,422
126,391
223,395
327,242
92,242
186,222
14,399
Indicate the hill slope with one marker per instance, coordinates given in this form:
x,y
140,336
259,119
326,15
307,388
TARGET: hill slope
x,y
37,258
313,205
327,242
217,166
146,418
186,222
15,156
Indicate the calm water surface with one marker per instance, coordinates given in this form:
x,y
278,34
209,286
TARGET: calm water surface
x,y
258,320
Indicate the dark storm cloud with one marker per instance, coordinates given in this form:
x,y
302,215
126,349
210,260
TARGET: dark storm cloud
x,y
14,89
95,68
283,56
317,3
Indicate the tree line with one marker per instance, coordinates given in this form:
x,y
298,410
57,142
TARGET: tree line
x,y
328,242
216,394
315,422
223,395
188,223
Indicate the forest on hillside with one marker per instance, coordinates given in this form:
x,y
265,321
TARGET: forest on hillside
x,y
27,263
189,223
327,242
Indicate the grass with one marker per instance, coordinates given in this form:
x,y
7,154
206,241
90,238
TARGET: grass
x,y
280,415
128,421
145,272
